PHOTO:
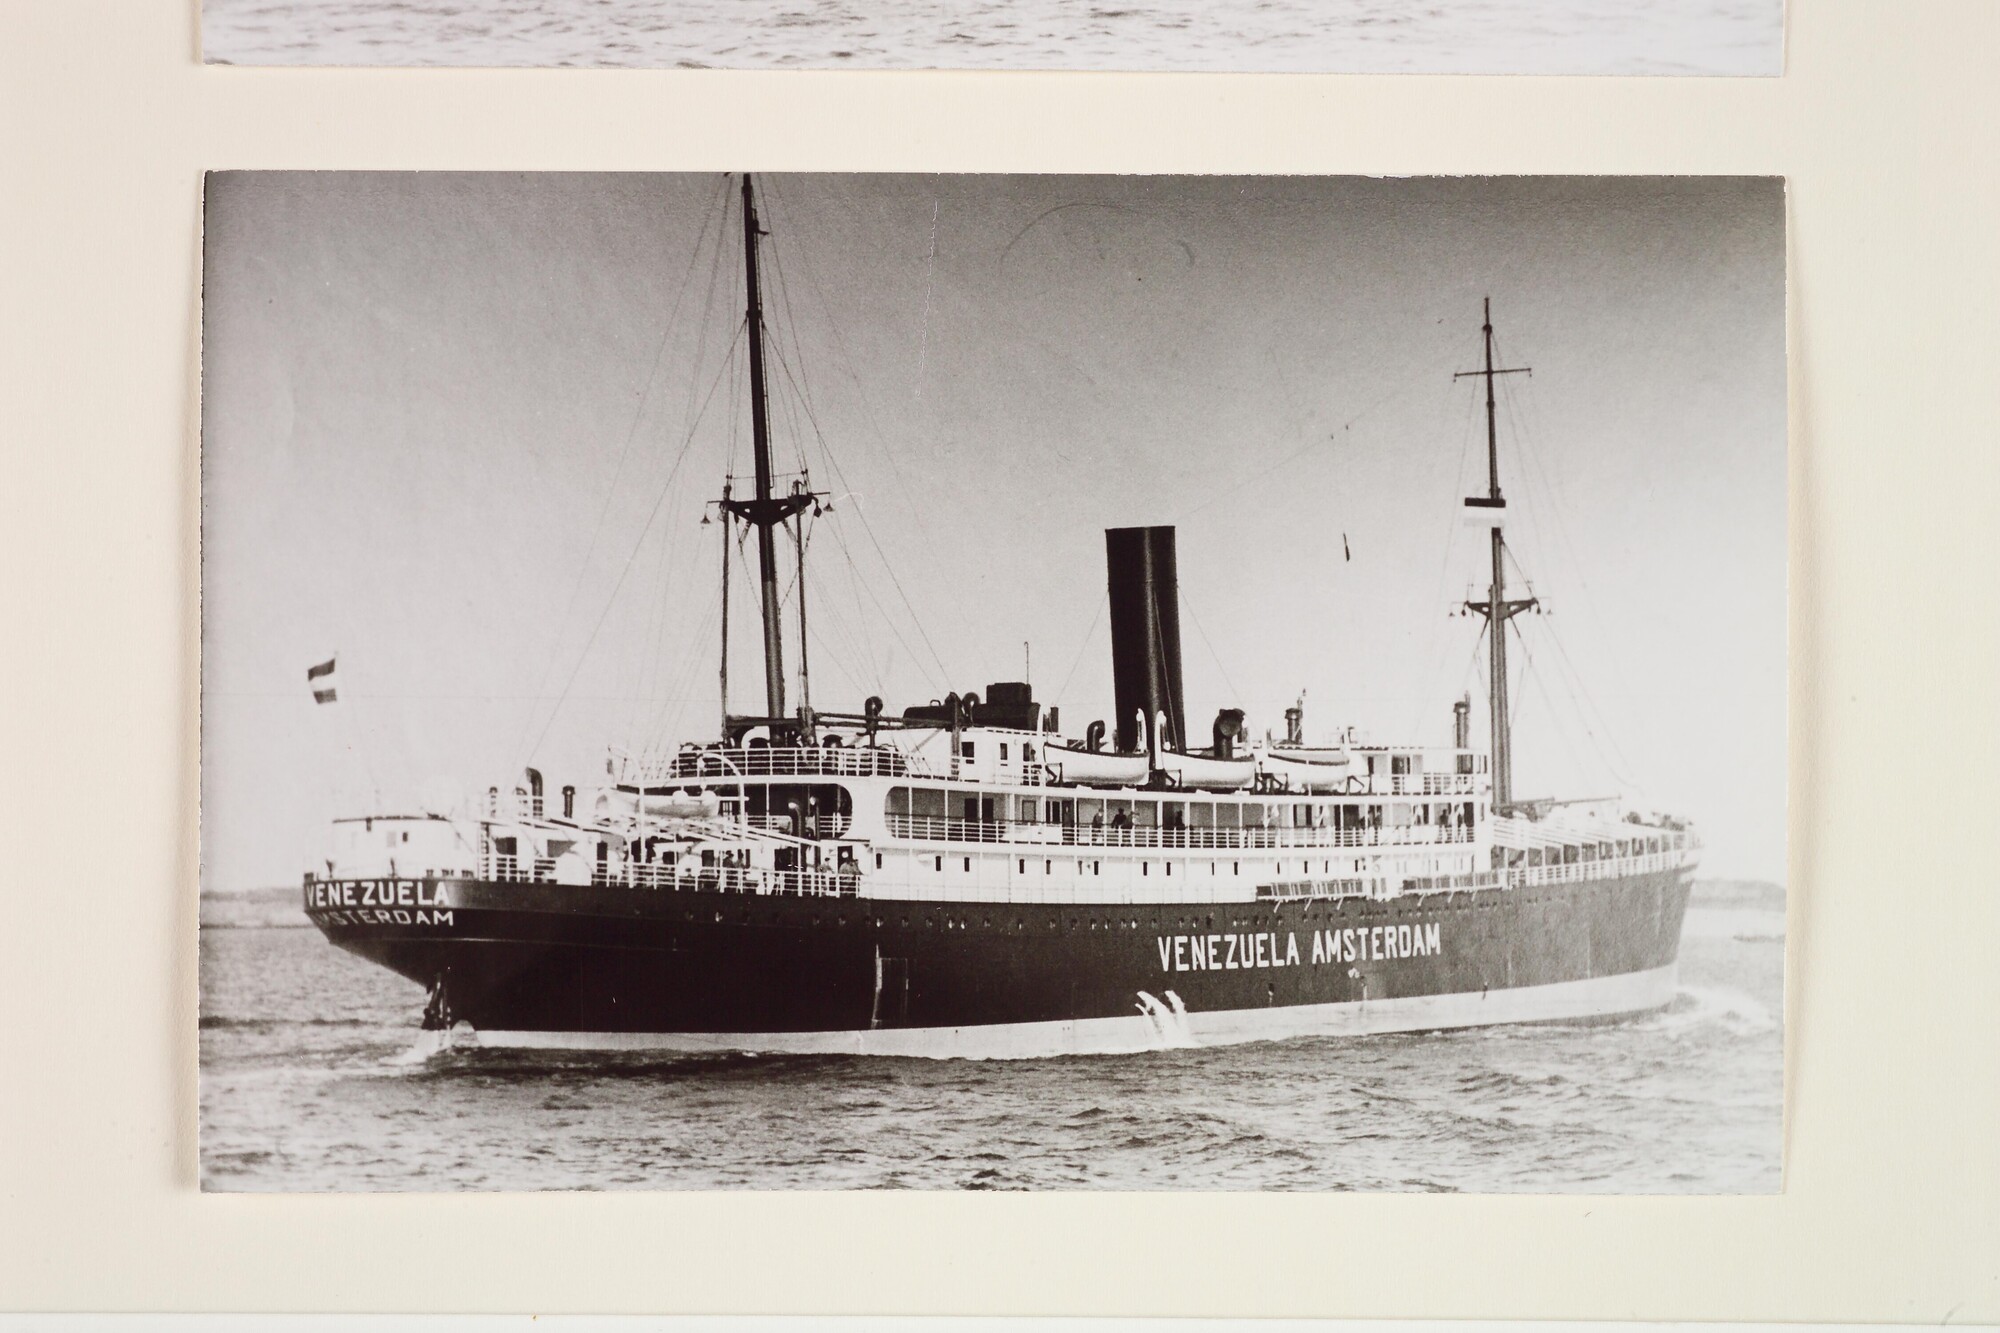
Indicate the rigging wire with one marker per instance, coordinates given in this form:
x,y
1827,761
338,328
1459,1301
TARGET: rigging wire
x,y
625,570
1188,606
631,437
880,435
1081,649
1529,672
930,285
853,635
1439,649
1290,458
678,692
888,620
840,476
1539,478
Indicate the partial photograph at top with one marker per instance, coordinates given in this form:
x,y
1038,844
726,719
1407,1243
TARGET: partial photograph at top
x,y
1587,37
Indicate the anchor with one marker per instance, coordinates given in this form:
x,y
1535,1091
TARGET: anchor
x,y
438,1016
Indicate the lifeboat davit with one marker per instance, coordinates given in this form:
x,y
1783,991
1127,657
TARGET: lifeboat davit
x,y
1096,768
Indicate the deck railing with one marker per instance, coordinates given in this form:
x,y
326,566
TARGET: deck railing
x,y
685,878
790,761
811,826
1608,867
1220,839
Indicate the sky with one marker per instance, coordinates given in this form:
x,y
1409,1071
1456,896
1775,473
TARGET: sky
x,y
460,432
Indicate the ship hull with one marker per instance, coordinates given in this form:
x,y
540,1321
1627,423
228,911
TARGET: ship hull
x,y
610,968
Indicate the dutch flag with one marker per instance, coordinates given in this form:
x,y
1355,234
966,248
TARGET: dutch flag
x,y
322,694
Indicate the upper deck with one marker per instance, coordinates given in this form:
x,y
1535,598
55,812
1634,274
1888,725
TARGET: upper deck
x,y
1030,761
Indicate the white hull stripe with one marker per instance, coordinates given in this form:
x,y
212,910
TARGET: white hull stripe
x,y
1598,997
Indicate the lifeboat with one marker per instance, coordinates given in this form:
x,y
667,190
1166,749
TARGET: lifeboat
x,y
659,804
1095,768
1311,754
1201,770
680,805
1299,773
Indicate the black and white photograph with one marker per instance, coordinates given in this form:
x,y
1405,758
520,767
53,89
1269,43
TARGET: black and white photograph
x,y
783,681
1558,37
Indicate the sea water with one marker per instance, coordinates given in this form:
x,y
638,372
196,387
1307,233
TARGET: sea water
x,y
313,1078
1331,36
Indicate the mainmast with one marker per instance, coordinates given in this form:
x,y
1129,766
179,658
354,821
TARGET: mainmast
x,y
765,511
1497,609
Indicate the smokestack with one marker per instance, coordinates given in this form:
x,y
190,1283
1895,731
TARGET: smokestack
x,y
1461,724
1145,634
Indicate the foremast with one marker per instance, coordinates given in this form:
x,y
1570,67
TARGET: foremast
x,y
764,512
1497,608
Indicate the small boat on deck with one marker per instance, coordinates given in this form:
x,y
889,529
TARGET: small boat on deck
x,y
1207,772
1096,768
1297,773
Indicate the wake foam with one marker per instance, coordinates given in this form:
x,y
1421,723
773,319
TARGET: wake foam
x,y
1714,1006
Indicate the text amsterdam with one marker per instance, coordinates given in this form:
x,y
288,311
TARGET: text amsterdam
x,y
1216,953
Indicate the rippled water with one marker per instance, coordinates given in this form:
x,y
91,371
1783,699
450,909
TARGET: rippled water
x,y
306,1085
1335,36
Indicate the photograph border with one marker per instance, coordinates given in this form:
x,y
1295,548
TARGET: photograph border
x,y
1880,126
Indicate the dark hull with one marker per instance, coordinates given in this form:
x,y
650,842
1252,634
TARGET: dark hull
x,y
601,966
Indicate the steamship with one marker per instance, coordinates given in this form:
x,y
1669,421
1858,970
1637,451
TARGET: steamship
x,y
966,878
